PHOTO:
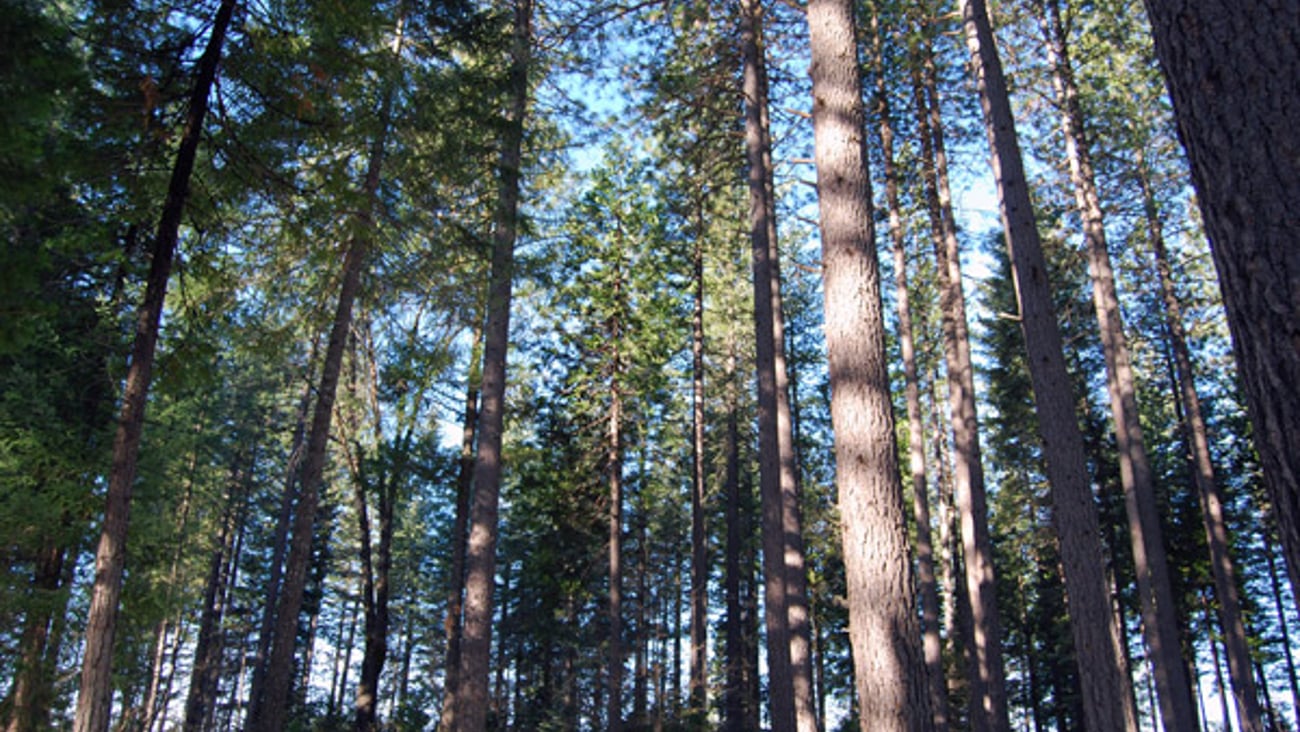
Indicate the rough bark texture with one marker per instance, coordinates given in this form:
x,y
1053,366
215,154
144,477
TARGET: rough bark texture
x,y
928,588
472,700
1107,692
95,698
1160,627
1198,443
983,633
888,661
1231,67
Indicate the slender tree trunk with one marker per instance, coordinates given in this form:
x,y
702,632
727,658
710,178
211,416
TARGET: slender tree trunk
x,y
33,690
1231,68
1276,588
614,476
1107,692
983,634
789,661
464,488
206,670
1197,437
733,704
1159,616
270,711
699,703
887,655
480,557
928,587
94,700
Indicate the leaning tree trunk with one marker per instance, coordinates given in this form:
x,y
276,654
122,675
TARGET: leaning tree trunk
x,y
982,629
472,700
1231,67
888,661
1212,513
1107,691
269,712
1156,597
95,697
928,586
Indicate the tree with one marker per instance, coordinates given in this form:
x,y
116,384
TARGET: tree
x,y
889,665
1106,690
471,703
1229,68
95,697
1155,592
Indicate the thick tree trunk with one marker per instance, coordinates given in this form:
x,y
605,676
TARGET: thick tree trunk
x,y
1198,442
464,489
928,586
888,660
1159,614
1107,692
95,697
472,700
1232,67
983,633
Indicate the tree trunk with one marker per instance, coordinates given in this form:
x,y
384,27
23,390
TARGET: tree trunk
x,y
733,698
928,587
464,489
614,466
1231,68
983,633
698,699
887,655
206,670
790,667
480,558
1159,616
1107,692
1198,443
270,711
33,688
95,697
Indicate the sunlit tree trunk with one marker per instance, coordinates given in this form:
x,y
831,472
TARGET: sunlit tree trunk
x,y
928,586
1231,67
1156,598
95,697
888,660
982,630
698,699
1107,692
472,699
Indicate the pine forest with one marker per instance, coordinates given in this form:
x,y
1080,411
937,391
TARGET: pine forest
x,y
650,365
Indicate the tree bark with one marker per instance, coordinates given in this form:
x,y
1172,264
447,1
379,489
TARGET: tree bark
x,y
464,490
1231,68
1249,717
928,586
887,656
480,558
1107,692
1159,617
698,698
789,659
983,633
94,700
614,476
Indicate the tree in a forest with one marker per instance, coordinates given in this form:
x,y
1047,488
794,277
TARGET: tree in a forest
x,y
1107,691
890,670
1230,68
